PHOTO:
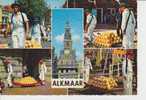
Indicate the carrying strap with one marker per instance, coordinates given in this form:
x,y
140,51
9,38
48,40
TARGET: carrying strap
x,y
24,24
126,65
12,18
23,18
91,20
127,21
41,31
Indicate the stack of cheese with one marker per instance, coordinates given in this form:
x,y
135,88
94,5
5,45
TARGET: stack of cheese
x,y
26,81
32,44
4,46
119,52
104,83
106,39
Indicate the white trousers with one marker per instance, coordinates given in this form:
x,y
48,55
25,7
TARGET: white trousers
x,y
128,85
128,41
86,75
42,76
90,33
9,79
18,41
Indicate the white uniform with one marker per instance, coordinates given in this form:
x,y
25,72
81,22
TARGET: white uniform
x,y
88,66
129,77
36,32
91,20
42,71
10,73
18,30
128,38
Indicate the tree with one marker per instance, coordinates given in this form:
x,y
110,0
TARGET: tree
x,y
33,8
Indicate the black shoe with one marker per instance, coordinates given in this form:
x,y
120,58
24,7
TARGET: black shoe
x,y
90,44
10,86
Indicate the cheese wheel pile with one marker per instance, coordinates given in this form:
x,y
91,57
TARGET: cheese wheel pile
x,y
105,83
26,81
32,44
107,39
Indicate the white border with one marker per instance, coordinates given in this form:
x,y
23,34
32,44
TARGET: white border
x,y
141,68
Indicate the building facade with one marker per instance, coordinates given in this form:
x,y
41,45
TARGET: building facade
x,y
67,66
102,7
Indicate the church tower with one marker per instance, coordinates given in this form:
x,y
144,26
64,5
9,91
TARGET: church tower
x,y
67,65
67,37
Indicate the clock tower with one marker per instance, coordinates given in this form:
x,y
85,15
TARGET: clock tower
x,y
67,64
67,37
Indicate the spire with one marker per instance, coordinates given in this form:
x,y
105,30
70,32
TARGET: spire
x,y
67,26
67,36
67,31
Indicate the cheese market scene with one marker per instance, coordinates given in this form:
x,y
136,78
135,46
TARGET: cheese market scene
x,y
68,47
24,26
108,23
26,72
109,72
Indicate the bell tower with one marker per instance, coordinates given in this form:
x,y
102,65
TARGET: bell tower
x,y
67,37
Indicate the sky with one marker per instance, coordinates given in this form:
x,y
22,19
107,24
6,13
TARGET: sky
x,y
55,3
6,2
59,19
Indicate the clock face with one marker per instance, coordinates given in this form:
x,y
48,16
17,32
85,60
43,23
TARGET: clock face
x,y
66,51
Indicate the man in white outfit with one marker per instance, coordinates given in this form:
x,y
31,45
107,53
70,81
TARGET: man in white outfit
x,y
37,31
42,71
88,66
90,24
19,27
127,70
9,71
128,26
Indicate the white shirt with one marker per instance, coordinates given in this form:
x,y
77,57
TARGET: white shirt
x,y
93,22
88,64
17,23
131,23
129,67
43,68
37,30
10,69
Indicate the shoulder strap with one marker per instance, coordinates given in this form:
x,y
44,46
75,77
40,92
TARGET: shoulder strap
x,y
91,20
126,65
23,20
12,18
41,31
127,21
22,17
